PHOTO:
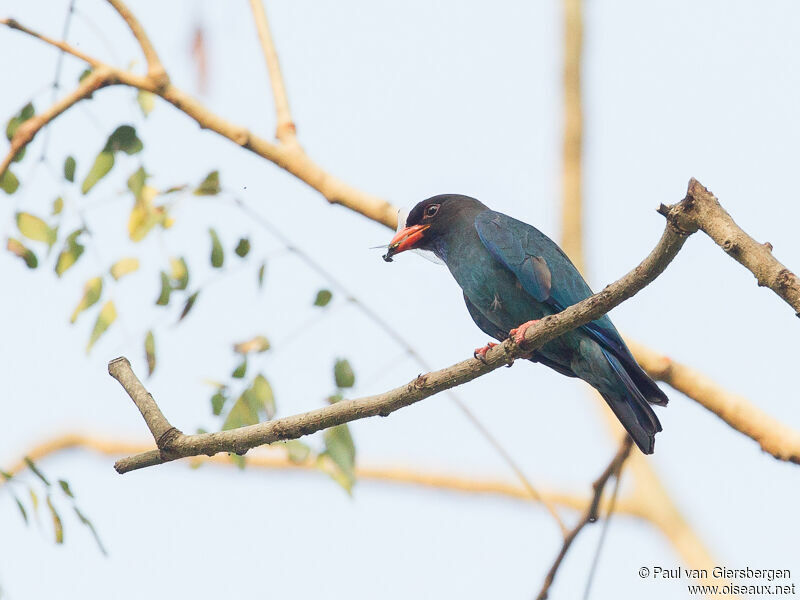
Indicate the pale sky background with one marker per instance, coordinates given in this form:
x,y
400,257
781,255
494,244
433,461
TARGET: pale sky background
x,y
404,100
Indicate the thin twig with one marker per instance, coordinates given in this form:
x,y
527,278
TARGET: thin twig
x,y
57,77
14,24
612,504
28,129
155,68
285,129
590,515
571,180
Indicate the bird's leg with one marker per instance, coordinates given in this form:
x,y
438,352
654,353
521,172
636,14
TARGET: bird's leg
x,y
519,333
480,353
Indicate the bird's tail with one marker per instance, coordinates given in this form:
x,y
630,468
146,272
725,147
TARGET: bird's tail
x,y
628,403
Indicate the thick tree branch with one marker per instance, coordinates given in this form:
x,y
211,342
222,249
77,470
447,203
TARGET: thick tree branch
x,y
705,212
241,440
285,129
591,513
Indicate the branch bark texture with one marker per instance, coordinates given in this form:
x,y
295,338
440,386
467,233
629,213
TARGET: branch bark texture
x,y
241,440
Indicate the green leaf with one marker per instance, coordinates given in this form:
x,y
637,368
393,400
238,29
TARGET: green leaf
x,y
218,401
179,273
343,374
261,270
166,290
34,228
102,165
146,100
239,372
32,466
58,526
124,266
105,318
209,186
296,451
341,450
34,502
240,415
9,182
323,297
217,253
71,252
25,113
58,205
256,344
65,488
261,397
136,182
69,169
21,507
19,249
188,306
239,461
83,519
91,294
150,352
84,74
6,475
124,139
145,214
243,247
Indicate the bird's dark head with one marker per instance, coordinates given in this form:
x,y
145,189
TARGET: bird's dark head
x,y
432,219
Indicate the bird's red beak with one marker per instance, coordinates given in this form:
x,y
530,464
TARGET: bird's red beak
x,y
405,239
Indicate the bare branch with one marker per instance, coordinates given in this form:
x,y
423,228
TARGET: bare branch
x,y
275,458
162,431
290,157
285,129
97,79
241,440
13,24
591,513
638,504
774,437
571,180
705,213
155,68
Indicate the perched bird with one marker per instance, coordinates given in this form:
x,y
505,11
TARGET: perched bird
x,y
512,275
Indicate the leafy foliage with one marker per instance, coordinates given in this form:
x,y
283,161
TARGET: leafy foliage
x,y
107,315
209,186
323,298
19,249
71,252
343,374
122,139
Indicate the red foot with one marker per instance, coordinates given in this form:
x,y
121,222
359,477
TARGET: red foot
x,y
519,333
480,353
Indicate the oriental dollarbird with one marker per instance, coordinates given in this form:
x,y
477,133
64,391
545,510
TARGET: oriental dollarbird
x,y
512,275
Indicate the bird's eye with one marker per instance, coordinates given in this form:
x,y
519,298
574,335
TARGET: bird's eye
x,y
432,210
